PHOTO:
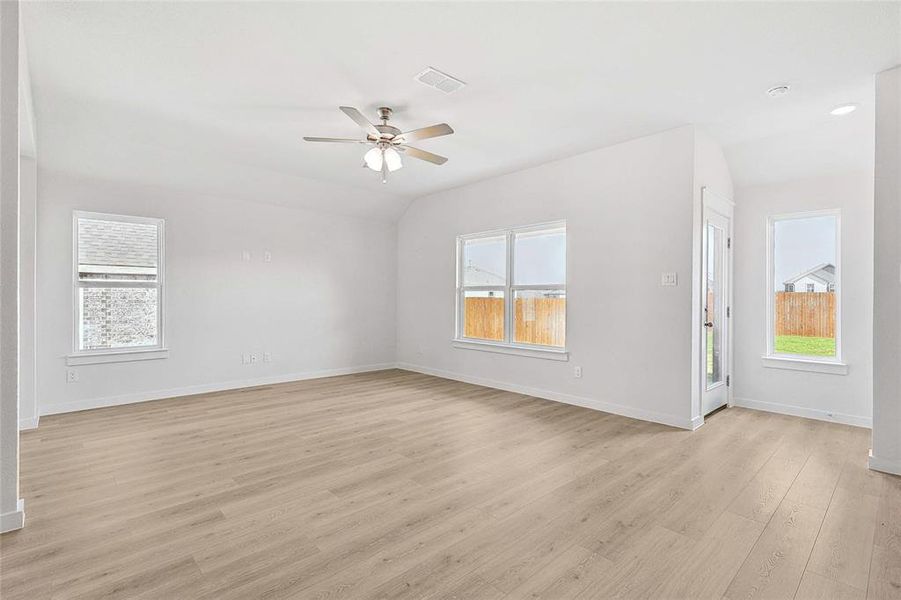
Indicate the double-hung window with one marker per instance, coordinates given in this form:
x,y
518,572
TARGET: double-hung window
x,y
804,290
511,287
118,285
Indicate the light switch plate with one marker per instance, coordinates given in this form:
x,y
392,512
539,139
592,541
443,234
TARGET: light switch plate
x,y
669,279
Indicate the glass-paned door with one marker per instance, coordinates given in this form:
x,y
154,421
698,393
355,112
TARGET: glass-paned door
x,y
715,310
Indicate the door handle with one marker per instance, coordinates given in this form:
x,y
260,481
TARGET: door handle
x,y
708,324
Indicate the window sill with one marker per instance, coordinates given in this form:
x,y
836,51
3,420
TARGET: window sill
x,y
533,352
96,358
805,364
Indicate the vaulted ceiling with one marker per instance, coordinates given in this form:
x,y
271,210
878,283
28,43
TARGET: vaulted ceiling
x,y
216,96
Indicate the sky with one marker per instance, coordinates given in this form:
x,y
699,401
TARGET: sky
x,y
540,258
801,244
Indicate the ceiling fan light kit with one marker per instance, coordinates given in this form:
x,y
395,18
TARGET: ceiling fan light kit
x,y
381,153
388,141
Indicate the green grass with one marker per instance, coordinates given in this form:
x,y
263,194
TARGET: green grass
x,y
810,346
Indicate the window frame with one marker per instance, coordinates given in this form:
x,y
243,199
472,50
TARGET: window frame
x,y
80,356
823,364
507,345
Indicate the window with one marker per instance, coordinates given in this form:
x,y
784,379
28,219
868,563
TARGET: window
x,y
511,287
118,282
804,255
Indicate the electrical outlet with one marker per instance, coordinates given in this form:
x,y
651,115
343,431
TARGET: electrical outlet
x,y
669,279
245,358
267,357
577,372
71,376
267,256
254,358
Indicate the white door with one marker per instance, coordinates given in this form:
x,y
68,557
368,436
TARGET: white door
x,y
715,343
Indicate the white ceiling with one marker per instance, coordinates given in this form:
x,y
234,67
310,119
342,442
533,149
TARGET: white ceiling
x,y
216,96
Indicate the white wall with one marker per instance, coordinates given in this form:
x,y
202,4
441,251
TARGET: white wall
x,y
324,304
28,403
28,406
843,398
886,453
629,212
11,507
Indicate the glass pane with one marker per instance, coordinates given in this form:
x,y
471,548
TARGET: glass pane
x,y
117,317
485,261
713,308
483,315
805,285
117,250
540,317
540,257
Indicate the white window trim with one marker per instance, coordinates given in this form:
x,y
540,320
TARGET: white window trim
x,y
801,362
97,357
507,346
111,355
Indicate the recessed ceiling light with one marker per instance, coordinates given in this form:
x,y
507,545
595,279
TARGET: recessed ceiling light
x,y
844,109
778,90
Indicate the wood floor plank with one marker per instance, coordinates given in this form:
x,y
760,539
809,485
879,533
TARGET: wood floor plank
x,y
845,544
398,485
776,563
888,521
638,572
768,487
710,565
885,574
818,587
571,573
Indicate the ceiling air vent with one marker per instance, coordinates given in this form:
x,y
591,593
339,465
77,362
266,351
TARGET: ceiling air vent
x,y
440,81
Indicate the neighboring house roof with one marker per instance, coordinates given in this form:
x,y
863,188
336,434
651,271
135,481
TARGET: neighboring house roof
x,y
476,276
117,247
824,273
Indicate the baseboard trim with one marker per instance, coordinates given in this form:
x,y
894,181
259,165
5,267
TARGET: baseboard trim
x,y
892,467
609,407
807,413
13,520
26,424
67,407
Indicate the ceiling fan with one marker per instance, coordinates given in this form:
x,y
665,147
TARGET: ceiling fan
x,y
388,141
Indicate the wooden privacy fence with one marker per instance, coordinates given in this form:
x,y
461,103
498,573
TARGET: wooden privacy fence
x,y
809,314
537,320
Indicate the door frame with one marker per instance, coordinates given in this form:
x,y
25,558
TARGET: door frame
x,y
713,201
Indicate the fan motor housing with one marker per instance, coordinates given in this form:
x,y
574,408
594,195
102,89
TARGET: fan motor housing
x,y
386,130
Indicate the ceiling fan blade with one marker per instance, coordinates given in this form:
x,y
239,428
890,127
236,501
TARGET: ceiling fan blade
x,y
423,155
339,140
426,132
360,120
